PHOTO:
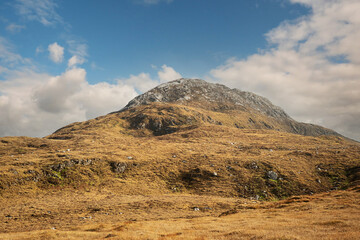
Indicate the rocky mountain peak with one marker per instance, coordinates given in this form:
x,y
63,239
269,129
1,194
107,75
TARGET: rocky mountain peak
x,y
199,93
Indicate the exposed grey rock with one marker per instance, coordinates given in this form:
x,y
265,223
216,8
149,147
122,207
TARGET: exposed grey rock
x,y
62,165
252,165
118,167
272,175
185,90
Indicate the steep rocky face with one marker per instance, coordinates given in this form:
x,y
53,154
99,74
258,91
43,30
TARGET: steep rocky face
x,y
199,93
219,98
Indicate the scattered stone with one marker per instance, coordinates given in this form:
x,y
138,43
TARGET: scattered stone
x,y
129,157
253,165
174,156
118,167
229,168
272,175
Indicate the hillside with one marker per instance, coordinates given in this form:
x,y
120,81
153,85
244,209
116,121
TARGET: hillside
x,y
201,152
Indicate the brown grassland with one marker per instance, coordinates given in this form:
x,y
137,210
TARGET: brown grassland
x,y
175,172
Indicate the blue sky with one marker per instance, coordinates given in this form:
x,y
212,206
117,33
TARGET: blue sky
x,y
129,37
63,61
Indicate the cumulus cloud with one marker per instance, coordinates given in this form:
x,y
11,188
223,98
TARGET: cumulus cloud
x,y
43,11
56,52
14,28
168,74
313,68
143,82
34,104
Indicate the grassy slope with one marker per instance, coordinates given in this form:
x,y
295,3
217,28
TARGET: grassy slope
x,y
204,162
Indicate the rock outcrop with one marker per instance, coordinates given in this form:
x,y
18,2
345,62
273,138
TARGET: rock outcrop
x,y
199,93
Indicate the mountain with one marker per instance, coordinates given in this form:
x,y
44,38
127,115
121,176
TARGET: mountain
x,y
190,102
259,111
186,148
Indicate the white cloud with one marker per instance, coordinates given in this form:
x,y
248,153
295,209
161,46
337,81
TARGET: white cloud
x,y
168,74
56,52
34,104
42,11
74,60
301,73
79,52
14,28
143,82
53,96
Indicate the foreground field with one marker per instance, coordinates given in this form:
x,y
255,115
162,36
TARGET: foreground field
x,y
103,215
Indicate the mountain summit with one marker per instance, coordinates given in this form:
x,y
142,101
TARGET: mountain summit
x,y
199,93
245,109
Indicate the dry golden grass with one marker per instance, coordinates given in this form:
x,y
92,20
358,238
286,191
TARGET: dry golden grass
x,y
334,215
137,185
